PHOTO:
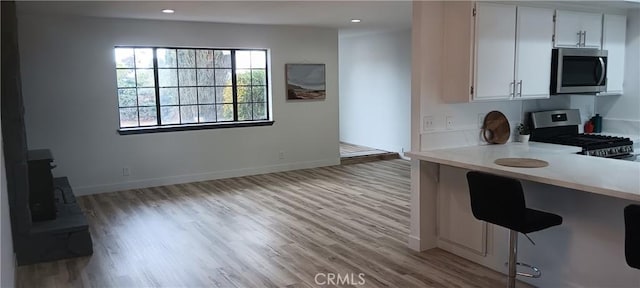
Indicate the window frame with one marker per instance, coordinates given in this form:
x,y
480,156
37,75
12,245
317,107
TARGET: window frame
x,y
159,127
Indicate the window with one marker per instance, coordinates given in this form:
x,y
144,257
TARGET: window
x,y
160,88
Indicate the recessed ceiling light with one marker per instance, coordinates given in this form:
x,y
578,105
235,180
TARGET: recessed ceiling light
x,y
356,20
168,11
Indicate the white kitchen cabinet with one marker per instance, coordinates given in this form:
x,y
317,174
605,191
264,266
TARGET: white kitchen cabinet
x,y
496,52
456,224
578,29
533,52
613,40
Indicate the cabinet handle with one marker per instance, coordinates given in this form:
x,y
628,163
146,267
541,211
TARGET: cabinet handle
x,y
579,39
512,89
520,88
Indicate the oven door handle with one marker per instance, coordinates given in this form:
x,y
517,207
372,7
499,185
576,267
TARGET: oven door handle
x,y
604,67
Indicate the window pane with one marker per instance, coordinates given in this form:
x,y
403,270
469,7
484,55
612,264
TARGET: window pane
x,y
243,77
148,116
188,96
223,58
258,77
224,94
223,77
189,114
145,78
205,58
127,97
170,115
244,94
258,93
205,77
206,95
168,96
126,78
244,112
259,111
207,113
168,77
124,57
186,58
187,77
224,112
144,58
166,58
128,117
243,59
146,97
258,59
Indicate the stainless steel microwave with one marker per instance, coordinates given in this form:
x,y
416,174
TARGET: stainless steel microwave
x,y
578,70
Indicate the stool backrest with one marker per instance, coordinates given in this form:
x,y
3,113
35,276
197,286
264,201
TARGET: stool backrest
x,y
496,199
632,235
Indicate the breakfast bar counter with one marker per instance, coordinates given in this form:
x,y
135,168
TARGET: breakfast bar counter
x,y
605,176
589,192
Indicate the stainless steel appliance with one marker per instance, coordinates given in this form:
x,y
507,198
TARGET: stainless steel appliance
x,y
561,127
578,70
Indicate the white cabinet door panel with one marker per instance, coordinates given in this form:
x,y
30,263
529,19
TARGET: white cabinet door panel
x,y
533,52
568,27
495,51
592,25
456,223
614,42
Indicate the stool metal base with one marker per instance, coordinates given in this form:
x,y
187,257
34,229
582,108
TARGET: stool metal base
x,y
513,262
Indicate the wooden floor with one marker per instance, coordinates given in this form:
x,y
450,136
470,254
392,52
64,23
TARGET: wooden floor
x,y
350,150
273,230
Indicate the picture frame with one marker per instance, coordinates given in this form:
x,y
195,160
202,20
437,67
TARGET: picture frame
x,y
305,81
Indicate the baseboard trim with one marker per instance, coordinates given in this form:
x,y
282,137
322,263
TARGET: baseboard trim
x,y
414,243
171,180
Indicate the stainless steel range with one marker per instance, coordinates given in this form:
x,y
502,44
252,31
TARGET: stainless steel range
x,y
561,127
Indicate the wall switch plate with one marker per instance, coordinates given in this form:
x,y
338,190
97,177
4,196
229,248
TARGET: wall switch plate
x,y
449,121
427,123
126,171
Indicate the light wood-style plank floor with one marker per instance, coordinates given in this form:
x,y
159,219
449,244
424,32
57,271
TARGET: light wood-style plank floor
x,y
272,230
351,150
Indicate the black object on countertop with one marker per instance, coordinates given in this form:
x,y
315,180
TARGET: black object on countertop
x,y
632,235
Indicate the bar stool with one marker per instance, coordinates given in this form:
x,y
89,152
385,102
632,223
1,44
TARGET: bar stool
x,y
632,235
500,201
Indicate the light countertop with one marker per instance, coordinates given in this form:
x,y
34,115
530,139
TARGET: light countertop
x,y
611,177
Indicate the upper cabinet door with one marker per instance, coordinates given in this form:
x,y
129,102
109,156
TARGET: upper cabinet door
x,y
533,52
614,42
578,29
495,51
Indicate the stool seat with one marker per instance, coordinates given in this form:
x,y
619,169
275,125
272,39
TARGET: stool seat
x,y
500,200
536,220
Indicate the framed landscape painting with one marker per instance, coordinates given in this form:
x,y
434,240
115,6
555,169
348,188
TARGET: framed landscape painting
x,y
305,81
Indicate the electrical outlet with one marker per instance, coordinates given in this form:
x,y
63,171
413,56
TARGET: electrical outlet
x,y
481,119
126,171
427,123
449,121
281,155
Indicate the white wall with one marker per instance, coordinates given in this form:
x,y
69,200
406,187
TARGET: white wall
x,y
375,90
69,89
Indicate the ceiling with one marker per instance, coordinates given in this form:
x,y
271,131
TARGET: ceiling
x,y
375,15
